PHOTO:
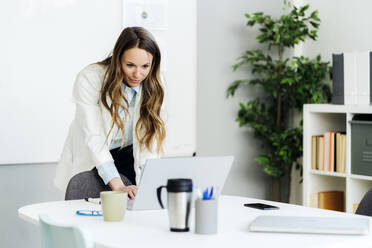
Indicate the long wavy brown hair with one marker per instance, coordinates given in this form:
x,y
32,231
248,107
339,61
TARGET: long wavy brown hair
x,y
150,128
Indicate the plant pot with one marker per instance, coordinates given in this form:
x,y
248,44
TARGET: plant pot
x,y
276,189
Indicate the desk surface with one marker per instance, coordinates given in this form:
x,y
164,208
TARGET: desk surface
x,y
151,228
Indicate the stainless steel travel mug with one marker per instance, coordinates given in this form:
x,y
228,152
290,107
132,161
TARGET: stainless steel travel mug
x,y
179,203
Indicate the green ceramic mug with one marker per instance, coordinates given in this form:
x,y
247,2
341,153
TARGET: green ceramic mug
x,y
114,204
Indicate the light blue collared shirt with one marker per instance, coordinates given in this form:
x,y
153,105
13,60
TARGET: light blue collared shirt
x,y
108,171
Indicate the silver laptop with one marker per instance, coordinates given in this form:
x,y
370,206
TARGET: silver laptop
x,y
204,172
311,224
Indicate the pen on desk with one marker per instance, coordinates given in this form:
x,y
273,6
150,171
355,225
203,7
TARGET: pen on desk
x,y
93,200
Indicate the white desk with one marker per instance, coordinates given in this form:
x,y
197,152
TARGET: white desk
x,y
151,229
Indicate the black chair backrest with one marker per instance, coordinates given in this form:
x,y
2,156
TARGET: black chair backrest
x,y
365,205
88,184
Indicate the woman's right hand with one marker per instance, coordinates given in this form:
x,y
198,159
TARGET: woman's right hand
x,y
116,184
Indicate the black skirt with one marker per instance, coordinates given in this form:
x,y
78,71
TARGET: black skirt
x,y
124,162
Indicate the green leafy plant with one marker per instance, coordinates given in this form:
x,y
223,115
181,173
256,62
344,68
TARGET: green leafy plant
x,y
288,83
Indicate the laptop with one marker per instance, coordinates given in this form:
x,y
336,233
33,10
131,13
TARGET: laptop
x,y
204,172
310,224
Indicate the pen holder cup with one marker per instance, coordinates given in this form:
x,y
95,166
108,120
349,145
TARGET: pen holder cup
x,y
206,216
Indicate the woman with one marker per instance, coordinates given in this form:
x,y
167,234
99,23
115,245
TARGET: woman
x,y
118,123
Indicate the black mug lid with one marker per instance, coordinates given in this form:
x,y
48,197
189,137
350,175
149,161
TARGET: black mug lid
x,y
179,185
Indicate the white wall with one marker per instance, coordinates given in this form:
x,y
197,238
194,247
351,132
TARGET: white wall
x,y
180,73
222,38
345,26
42,50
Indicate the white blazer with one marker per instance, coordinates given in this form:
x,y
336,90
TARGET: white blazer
x,y
85,146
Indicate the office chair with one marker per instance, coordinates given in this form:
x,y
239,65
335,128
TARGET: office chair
x,y
54,235
88,184
365,205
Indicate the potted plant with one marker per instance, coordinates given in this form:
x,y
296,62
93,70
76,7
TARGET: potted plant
x,y
288,82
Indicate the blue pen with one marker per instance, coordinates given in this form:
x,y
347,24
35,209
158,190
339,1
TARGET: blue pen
x,y
211,194
205,194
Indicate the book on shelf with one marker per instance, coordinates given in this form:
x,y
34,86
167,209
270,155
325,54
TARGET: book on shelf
x,y
313,200
338,152
328,152
338,80
331,200
329,148
341,152
317,152
320,152
313,153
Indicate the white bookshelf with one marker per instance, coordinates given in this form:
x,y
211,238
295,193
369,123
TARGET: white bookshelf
x,y
320,118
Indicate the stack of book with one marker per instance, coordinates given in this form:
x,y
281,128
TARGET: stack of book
x,y
331,200
328,152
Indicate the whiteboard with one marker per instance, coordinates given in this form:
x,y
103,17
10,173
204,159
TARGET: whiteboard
x,y
45,43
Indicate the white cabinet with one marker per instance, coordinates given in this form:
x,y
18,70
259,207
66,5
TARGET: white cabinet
x,y
320,118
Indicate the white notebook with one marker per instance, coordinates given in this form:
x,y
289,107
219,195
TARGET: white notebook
x,y
313,224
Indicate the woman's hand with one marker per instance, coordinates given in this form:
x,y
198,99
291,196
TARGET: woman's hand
x,y
116,184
